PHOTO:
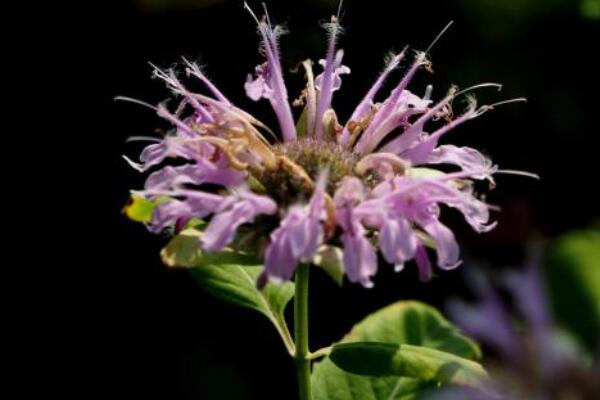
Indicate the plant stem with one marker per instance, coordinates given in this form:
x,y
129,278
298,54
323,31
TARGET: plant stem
x,y
285,335
324,352
301,357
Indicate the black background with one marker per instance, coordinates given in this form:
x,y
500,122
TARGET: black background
x,y
153,332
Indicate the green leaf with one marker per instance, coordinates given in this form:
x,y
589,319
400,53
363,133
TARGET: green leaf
x,y
228,275
573,271
590,9
235,283
402,323
231,276
393,359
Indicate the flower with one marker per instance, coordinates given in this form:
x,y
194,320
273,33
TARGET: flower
x,y
366,185
536,359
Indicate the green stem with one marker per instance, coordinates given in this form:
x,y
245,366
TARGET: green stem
x,y
324,352
285,335
301,357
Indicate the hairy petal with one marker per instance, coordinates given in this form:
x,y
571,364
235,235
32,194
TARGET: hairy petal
x,y
194,69
389,111
333,61
367,102
269,81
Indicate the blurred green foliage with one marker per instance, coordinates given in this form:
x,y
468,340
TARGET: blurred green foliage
x,y
573,270
590,9
503,18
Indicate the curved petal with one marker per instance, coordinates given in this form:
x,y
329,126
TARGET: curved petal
x,y
360,259
196,204
299,235
445,244
397,241
467,158
240,209
202,172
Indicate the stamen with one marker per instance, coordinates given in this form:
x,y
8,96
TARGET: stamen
x,y
517,100
142,139
465,174
482,110
520,173
137,166
479,86
267,15
136,101
339,9
438,36
247,8
493,207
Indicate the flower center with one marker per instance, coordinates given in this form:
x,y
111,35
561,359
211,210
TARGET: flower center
x,y
313,157
316,155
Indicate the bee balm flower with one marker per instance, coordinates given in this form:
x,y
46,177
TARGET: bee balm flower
x,y
368,184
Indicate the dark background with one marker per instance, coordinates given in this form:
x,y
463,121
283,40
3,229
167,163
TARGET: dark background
x,y
156,334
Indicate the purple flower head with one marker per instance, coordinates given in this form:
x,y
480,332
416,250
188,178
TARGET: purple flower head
x,y
370,184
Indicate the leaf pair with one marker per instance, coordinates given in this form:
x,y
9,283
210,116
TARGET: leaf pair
x,y
404,351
